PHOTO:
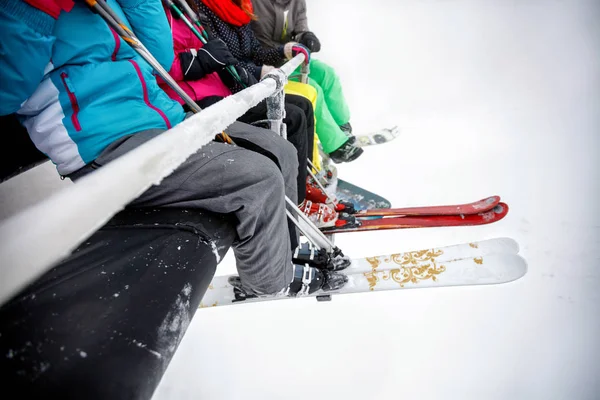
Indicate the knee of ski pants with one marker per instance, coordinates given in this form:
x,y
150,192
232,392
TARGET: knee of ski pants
x,y
256,169
271,177
323,72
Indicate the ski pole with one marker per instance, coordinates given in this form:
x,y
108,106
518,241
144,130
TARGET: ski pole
x,y
317,173
301,229
318,235
304,73
193,16
113,20
187,22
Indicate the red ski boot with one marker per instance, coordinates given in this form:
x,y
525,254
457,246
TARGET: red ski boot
x,y
324,216
315,194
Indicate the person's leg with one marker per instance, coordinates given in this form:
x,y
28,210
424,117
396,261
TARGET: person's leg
x,y
329,132
105,322
333,94
270,145
297,135
295,121
307,109
283,153
309,93
229,179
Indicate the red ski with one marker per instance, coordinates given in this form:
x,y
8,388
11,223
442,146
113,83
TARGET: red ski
x,y
458,209
428,221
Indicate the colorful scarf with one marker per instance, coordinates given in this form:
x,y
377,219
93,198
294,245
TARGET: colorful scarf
x,y
230,13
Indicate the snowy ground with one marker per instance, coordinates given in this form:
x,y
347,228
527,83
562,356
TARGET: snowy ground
x,y
493,97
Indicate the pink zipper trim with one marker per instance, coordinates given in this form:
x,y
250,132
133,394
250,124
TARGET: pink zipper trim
x,y
145,90
74,104
117,45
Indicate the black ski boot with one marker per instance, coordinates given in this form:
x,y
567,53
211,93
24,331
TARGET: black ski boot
x,y
308,280
319,258
238,289
348,152
347,129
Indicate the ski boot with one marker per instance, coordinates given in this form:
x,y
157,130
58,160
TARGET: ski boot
x,y
308,280
320,258
347,129
305,280
324,216
239,292
315,194
347,152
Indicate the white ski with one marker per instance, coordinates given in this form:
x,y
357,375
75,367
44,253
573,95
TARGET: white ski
x,y
491,261
378,137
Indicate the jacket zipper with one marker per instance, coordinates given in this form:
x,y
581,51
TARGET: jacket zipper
x,y
113,57
73,99
145,93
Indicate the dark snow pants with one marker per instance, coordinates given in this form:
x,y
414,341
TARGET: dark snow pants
x,y
105,322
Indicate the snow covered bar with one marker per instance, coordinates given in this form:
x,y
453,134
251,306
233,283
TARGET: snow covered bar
x,y
63,221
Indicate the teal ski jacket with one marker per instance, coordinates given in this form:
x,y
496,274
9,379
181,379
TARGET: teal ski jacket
x,y
76,85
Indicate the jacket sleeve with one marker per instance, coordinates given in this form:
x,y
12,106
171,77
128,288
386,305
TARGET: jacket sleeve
x,y
25,51
149,23
261,55
301,21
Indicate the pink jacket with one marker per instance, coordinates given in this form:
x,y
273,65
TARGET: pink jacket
x,y
183,40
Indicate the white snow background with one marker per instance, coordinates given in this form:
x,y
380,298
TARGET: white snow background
x,y
493,97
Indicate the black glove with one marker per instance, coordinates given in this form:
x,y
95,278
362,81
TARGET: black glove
x,y
311,41
195,64
232,83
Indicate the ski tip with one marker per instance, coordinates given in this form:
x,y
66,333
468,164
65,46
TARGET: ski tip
x,y
497,213
511,245
501,268
492,200
395,131
518,267
503,244
501,208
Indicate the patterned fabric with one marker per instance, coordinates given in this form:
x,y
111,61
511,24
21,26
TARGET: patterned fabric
x,y
242,43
